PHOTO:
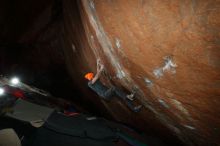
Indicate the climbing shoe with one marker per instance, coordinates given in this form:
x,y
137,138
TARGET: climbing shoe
x,y
130,97
137,108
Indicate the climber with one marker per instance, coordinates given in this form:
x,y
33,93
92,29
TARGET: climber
x,y
107,93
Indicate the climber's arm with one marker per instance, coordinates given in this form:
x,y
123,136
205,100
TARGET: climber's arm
x,y
100,68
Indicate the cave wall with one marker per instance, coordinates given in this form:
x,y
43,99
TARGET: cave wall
x,y
167,51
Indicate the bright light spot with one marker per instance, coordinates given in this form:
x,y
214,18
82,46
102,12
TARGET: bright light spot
x,y
15,81
2,91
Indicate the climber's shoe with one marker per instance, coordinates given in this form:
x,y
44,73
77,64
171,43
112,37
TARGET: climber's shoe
x,y
137,108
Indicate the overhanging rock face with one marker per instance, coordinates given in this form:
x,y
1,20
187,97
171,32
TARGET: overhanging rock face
x,y
167,51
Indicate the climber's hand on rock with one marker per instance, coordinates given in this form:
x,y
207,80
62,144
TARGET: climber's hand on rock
x,y
98,61
100,68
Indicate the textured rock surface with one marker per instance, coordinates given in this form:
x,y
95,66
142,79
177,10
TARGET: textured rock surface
x,y
167,51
